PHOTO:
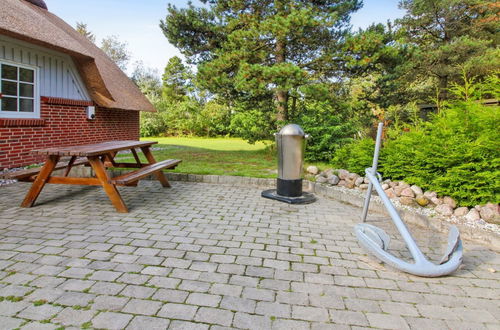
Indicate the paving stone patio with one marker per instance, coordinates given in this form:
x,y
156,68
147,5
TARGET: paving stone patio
x,y
205,256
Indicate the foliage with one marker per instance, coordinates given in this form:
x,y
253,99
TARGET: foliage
x,y
356,156
446,34
251,51
327,127
83,30
455,153
116,51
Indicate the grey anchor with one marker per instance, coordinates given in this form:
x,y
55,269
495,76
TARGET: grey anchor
x,y
376,241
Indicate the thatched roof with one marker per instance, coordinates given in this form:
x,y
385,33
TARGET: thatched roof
x,y
108,86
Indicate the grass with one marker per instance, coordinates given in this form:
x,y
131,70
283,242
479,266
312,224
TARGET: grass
x,y
219,156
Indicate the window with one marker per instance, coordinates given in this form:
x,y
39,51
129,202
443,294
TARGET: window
x,y
18,91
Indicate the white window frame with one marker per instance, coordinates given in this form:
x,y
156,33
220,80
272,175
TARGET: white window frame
x,y
36,92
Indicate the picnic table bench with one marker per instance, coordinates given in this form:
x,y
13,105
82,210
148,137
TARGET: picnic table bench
x,y
99,156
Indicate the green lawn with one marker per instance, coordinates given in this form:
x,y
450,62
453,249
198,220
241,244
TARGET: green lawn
x,y
219,156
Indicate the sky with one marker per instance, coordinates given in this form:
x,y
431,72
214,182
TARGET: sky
x,y
137,23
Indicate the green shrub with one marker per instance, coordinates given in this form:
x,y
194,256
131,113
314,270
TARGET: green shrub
x,y
355,157
456,154
328,129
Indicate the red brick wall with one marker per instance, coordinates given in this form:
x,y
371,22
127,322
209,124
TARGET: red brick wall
x,y
62,125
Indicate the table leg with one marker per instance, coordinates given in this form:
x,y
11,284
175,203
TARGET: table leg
x,y
151,159
40,181
110,189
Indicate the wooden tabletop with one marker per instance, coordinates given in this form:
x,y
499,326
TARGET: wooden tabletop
x,y
96,149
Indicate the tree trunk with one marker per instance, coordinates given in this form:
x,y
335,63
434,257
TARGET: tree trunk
x,y
443,88
281,94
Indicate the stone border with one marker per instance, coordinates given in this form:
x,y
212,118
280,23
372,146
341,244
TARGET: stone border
x,y
348,196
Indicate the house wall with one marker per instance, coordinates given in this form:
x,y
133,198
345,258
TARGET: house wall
x,y
62,125
58,76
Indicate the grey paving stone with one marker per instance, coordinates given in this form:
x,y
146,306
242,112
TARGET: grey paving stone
x,y
386,321
109,303
248,321
183,325
39,313
310,313
39,326
226,289
105,275
10,322
238,304
8,308
111,320
168,295
146,322
164,282
143,307
290,324
137,291
203,299
178,311
106,288
74,299
258,294
348,317
214,316
70,316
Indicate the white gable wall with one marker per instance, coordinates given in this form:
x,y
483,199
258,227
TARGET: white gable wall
x,y
58,76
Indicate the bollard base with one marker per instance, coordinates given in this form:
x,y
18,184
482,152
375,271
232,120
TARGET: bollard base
x,y
305,198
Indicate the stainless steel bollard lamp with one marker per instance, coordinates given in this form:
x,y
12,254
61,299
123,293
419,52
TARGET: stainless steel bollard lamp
x,y
291,143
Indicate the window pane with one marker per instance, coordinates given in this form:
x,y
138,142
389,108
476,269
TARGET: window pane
x,y
9,104
26,75
9,88
9,72
26,90
26,105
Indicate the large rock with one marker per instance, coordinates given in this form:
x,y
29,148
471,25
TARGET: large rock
x,y
342,174
358,181
333,179
398,190
406,200
473,215
390,193
417,190
342,183
422,200
321,179
353,176
363,186
366,180
407,192
436,200
449,201
403,184
444,209
461,211
430,194
312,170
385,186
393,184
488,214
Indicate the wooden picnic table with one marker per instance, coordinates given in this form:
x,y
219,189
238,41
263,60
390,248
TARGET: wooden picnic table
x,y
99,156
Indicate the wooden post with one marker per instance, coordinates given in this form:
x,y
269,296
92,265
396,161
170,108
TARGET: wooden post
x,y
159,174
110,189
40,181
